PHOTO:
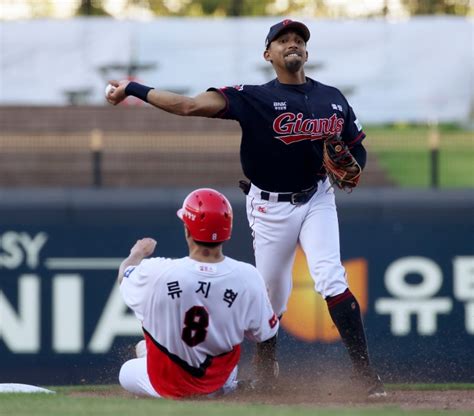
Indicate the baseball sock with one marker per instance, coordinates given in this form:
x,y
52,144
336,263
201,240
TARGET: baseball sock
x,y
266,353
266,364
345,313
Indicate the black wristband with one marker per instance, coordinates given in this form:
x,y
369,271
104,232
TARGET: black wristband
x,y
137,90
360,154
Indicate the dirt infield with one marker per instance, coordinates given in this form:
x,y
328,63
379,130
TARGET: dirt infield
x,y
343,397
332,396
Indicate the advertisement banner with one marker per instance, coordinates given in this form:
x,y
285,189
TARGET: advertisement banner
x,y
62,320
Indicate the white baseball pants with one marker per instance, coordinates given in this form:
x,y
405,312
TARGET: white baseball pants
x,y
134,378
277,228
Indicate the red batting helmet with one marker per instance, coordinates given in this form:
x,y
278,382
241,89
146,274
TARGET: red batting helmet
x,y
207,215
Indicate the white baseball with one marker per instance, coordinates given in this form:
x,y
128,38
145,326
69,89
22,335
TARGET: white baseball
x,y
108,89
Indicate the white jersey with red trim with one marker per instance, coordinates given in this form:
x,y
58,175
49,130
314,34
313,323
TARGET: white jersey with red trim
x,y
194,316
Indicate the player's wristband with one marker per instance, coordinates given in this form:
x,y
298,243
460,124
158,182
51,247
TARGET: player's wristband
x,y
137,90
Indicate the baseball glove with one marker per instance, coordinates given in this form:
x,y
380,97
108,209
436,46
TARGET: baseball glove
x,y
341,167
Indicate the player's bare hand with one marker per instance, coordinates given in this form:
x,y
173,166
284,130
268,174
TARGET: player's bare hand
x,y
116,94
143,247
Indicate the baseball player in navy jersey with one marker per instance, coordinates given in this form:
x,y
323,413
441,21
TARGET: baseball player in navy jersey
x,y
195,311
290,200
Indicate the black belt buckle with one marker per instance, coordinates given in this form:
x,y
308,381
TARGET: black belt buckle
x,y
300,198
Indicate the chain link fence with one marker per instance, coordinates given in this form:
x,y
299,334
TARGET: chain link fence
x,y
142,147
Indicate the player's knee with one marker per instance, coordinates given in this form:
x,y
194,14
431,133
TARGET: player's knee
x,y
331,281
126,375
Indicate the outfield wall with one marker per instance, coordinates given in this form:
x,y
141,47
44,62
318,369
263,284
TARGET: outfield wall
x,y
409,256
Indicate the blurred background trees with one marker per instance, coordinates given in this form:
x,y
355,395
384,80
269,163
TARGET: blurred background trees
x,y
91,8
320,8
455,7
14,9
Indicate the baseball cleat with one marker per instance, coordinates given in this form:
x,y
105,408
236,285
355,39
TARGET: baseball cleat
x,y
377,390
374,385
246,385
370,381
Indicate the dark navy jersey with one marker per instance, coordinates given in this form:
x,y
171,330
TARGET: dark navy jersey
x,y
283,127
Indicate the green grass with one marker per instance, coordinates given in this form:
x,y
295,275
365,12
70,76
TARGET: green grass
x,y
404,153
74,401
18,405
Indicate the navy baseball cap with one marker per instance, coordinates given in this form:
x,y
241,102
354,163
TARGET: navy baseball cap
x,y
287,24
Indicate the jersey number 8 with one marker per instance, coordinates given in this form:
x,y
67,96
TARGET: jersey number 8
x,y
196,321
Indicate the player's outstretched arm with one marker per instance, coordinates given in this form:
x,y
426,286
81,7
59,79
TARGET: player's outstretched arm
x,y
206,104
141,249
